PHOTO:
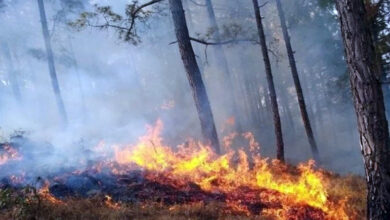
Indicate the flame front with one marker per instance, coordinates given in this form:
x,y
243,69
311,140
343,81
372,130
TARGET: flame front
x,y
231,173
241,179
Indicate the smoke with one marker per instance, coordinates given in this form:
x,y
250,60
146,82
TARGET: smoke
x,y
111,89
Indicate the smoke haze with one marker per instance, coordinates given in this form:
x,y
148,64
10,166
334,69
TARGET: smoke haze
x,y
112,89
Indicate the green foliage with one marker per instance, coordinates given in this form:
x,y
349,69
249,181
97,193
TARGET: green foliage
x,y
103,17
24,203
5,199
68,8
330,4
72,5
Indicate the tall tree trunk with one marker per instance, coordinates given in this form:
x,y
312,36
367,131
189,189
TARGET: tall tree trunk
x,y
298,88
261,109
12,72
309,103
50,59
284,100
223,64
79,82
271,86
376,32
288,116
190,25
368,99
193,74
252,100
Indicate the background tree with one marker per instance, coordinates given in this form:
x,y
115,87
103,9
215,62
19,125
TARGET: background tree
x,y
228,77
12,73
297,83
50,58
319,59
193,74
127,30
271,87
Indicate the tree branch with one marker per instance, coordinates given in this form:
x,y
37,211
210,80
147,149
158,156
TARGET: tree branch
x,y
126,27
264,4
137,10
146,5
207,43
196,3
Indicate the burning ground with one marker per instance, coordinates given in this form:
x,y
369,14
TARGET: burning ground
x,y
151,180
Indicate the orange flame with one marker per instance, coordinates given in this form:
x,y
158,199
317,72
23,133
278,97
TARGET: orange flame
x,y
217,173
44,192
9,154
110,203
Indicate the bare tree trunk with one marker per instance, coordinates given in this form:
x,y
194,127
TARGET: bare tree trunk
x,y
271,86
190,25
284,100
309,106
193,74
50,59
12,72
223,64
368,99
252,100
298,88
289,118
79,82
261,109
267,102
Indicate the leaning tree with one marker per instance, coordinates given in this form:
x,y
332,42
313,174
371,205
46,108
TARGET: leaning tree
x,y
126,27
51,64
297,83
270,82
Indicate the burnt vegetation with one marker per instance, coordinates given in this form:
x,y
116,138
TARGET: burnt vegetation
x,y
262,103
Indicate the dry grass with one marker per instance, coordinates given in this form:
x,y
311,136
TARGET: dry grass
x,y
27,204
355,188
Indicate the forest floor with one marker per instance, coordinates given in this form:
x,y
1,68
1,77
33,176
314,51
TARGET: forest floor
x,y
27,203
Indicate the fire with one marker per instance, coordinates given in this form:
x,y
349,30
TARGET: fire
x,y
44,192
192,175
239,175
228,124
8,154
111,204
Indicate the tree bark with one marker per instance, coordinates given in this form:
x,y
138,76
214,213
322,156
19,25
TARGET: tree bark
x,y
193,74
368,99
271,86
223,64
50,59
297,84
12,72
